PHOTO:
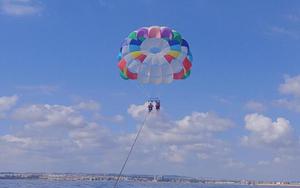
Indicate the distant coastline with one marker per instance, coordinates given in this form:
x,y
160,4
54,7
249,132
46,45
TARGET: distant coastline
x,y
138,178
280,185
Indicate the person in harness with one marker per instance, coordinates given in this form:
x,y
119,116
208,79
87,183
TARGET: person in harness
x,y
157,105
150,107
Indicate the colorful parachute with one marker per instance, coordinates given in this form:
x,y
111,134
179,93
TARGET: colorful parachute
x,y
155,55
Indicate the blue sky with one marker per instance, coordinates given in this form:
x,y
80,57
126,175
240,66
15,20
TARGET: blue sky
x,y
59,82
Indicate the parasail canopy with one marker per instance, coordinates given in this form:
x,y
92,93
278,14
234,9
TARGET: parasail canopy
x,y
155,55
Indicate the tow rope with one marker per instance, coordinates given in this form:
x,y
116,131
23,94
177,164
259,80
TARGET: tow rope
x,y
130,151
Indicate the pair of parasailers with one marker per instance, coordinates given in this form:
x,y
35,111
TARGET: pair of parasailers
x,y
157,105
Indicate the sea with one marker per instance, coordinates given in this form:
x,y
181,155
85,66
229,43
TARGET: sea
x,y
99,184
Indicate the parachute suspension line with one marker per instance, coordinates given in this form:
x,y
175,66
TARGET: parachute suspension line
x,y
130,151
142,88
158,92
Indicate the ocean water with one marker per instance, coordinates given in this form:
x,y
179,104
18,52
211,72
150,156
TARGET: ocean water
x,y
99,184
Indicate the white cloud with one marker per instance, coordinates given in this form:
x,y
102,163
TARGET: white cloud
x,y
55,137
255,106
198,122
263,163
49,115
137,111
7,102
291,104
117,118
231,163
280,157
263,131
174,154
15,139
277,160
92,136
20,7
69,138
179,140
291,86
88,105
